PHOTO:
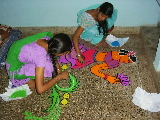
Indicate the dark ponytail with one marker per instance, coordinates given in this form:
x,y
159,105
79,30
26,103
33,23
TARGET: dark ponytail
x,y
107,9
102,27
60,43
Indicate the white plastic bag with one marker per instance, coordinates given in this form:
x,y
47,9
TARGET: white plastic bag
x,y
146,101
10,91
116,42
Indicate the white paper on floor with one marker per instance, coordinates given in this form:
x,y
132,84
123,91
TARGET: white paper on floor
x,y
12,93
146,101
116,42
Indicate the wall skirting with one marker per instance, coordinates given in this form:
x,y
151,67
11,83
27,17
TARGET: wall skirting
x,y
71,30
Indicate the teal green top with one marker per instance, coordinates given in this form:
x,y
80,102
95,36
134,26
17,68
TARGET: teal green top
x,y
90,26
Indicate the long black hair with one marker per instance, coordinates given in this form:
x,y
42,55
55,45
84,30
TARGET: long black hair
x,y
107,9
60,43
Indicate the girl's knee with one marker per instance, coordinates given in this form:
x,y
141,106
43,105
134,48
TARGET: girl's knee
x,y
31,84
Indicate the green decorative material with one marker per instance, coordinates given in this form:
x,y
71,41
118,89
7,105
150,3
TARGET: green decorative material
x,y
20,93
54,109
55,99
53,115
73,85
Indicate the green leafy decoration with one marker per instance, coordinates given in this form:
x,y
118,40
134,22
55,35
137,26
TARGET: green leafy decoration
x,y
54,109
73,85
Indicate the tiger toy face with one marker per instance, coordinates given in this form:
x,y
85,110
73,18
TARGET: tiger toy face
x,y
127,56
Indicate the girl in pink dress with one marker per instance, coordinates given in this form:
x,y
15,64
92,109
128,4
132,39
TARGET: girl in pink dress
x,y
32,59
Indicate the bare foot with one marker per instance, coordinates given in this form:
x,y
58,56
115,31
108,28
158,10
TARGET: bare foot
x,y
110,30
101,43
31,84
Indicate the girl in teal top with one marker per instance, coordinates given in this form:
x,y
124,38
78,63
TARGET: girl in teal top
x,y
94,23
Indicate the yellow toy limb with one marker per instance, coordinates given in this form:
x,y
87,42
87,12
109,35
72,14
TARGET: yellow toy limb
x,y
64,102
66,95
64,67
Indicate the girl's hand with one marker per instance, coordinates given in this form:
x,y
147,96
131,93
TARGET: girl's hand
x,y
81,58
109,30
62,75
59,70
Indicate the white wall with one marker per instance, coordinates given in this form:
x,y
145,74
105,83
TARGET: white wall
x,y
25,13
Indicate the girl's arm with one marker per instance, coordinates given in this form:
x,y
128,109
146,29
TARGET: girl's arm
x,y
41,87
76,36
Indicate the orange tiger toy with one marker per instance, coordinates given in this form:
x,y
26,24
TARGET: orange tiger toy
x,y
111,60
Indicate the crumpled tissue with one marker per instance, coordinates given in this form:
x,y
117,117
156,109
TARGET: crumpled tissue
x,y
8,95
146,101
116,42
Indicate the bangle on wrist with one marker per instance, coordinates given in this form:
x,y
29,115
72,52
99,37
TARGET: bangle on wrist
x,y
78,55
58,68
